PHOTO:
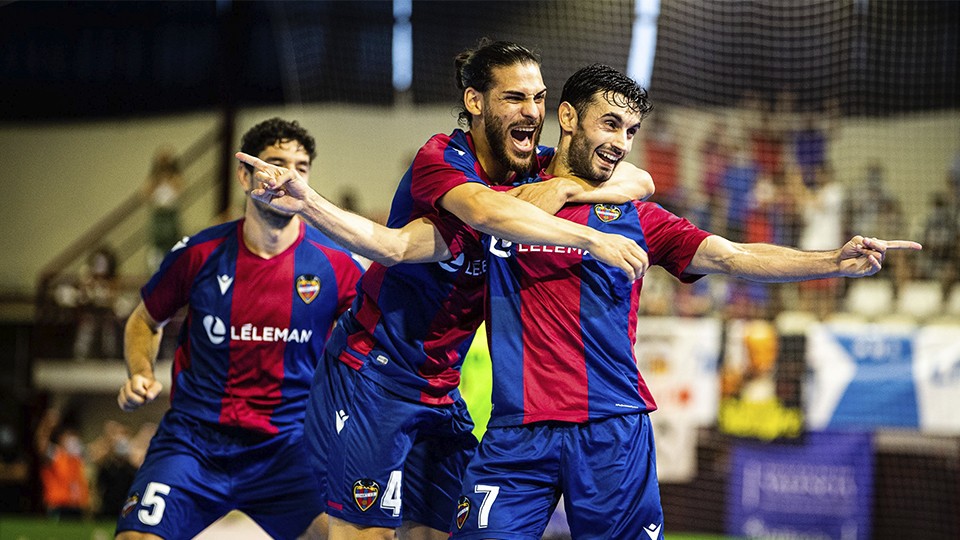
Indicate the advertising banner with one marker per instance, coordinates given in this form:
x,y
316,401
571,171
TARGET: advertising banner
x,y
867,376
820,488
678,360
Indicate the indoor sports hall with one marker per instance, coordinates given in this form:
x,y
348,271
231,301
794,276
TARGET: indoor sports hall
x,y
823,409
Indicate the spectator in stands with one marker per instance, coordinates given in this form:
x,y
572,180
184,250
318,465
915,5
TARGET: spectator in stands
x,y
661,158
822,211
97,323
164,187
738,181
110,453
811,140
940,237
867,216
714,158
66,491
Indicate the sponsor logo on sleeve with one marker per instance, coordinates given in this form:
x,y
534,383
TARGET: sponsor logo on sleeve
x,y
216,330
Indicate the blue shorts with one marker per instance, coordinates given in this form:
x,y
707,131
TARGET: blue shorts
x,y
387,459
605,469
195,473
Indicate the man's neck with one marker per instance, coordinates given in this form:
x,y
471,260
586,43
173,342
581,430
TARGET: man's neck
x,y
558,165
267,240
495,171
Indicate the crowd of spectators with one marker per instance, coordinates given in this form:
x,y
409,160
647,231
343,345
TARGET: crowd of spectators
x,y
767,176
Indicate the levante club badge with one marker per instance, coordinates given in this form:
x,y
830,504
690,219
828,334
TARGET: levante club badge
x,y
463,511
606,212
365,493
308,287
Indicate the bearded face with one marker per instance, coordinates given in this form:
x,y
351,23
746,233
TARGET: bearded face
x,y
271,216
589,161
514,144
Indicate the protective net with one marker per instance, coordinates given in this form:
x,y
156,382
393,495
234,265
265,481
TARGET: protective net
x,y
812,410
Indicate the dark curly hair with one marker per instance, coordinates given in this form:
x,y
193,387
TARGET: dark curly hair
x,y
614,86
273,131
475,66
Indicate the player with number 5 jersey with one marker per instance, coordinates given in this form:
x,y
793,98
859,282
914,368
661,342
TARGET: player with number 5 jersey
x,y
262,294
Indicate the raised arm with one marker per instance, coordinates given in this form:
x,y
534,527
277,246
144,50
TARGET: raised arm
x,y
285,189
769,263
627,183
512,219
141,343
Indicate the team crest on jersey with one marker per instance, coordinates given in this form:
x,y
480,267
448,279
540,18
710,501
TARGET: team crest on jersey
x,y
308,287
365,493
463,511
606,212
129,505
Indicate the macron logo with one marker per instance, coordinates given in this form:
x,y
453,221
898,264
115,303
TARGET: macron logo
x,y
181,244
653,531
341,420
224,281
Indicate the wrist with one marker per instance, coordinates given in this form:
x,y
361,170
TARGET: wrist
x,y
141,369
311,203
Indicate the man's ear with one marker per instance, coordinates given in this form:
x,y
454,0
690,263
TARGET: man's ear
x,y
473,101
245,177
567,116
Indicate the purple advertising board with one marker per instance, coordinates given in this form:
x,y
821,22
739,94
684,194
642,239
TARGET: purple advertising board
x,y
819,487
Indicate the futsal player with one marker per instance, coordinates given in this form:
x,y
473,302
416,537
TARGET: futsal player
x,y
262,295
386,421
570,409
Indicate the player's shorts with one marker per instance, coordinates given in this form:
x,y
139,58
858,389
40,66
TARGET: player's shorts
x,y
195,473
605,469
388,459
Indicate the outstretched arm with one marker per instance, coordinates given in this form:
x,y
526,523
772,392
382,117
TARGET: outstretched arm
x,y
419,241
285,189
141,342
768,263
627,183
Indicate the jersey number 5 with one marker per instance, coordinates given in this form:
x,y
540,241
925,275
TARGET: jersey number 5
x,y
154,503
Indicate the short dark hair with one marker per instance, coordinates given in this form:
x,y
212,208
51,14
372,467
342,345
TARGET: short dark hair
x,y
614,86
273,131
475,66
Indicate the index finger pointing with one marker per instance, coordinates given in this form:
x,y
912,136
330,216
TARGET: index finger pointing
x,y
252,160
903,244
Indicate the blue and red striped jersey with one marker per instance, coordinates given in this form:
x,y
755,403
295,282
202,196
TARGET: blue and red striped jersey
x,y
255,328
412,324
562,325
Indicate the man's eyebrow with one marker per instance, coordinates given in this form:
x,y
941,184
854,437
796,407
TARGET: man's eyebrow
x,y
518,93
613,115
